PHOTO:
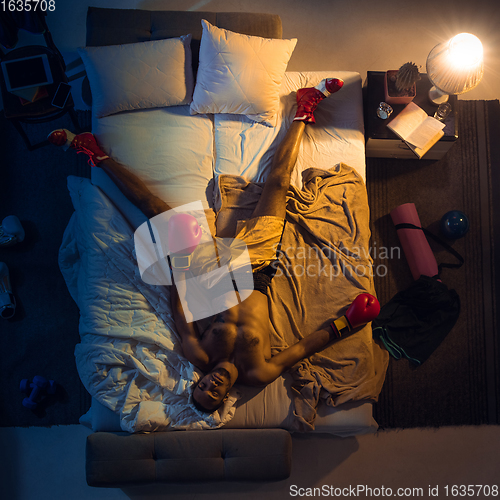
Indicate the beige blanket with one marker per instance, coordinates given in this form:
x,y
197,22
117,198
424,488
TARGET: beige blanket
x,y
324,265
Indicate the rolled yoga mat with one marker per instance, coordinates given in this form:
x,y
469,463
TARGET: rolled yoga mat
x,y
416,248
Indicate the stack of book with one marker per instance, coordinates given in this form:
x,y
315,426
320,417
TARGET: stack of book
x,y
30,94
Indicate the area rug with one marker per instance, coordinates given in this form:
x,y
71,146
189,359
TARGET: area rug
x,y
40,339
459,383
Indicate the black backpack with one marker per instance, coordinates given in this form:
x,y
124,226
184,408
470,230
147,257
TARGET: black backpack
x,y
415,321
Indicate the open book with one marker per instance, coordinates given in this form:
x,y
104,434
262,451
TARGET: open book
x,y
419,130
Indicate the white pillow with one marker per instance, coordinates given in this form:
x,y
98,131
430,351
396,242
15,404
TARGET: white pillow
x,y
139,75
240,74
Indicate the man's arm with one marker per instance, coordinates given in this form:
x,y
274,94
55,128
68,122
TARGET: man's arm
x,y
364,308
188,332
270,370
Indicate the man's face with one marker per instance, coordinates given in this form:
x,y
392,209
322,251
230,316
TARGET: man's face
x,y
212,389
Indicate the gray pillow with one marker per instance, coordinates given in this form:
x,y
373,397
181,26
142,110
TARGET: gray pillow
x,y
139,75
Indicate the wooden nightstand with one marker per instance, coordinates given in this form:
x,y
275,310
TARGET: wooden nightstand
x,y
382,142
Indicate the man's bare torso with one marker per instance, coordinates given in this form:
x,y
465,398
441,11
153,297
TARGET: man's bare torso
x,y
244,338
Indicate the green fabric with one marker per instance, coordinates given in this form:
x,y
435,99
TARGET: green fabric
x,y
415,321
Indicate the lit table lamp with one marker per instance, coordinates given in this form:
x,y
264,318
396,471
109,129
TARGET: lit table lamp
x,y
454,67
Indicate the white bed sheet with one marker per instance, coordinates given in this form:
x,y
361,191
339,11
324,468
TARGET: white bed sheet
x,y
168,148
246,148
164,147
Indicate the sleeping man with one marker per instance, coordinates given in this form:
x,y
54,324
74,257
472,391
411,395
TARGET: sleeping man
x,y
236,344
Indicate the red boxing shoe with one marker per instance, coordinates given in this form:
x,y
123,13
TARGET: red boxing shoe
x,y
309,98
86,143
82,143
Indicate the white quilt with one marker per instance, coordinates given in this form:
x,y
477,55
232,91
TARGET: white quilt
x,y
128,358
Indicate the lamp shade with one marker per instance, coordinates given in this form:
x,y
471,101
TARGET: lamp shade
x,y
456,66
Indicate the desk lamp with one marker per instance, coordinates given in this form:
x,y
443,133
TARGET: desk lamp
x,y
454,67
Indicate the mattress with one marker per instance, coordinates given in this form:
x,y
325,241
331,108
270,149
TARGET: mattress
x,y
266,408
180,156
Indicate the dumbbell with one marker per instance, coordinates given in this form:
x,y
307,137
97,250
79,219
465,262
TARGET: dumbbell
x,y
38,387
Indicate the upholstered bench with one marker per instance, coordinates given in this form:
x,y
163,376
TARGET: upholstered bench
x,y
118,459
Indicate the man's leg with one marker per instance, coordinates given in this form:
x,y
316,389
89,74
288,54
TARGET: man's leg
x,y
272,201
273,198
129,184
134,189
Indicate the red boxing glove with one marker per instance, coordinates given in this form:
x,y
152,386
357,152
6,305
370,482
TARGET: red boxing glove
x,y
365,308
184,234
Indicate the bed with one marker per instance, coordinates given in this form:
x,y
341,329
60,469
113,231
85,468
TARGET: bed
x,y
215,145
